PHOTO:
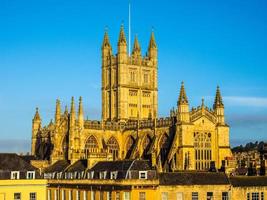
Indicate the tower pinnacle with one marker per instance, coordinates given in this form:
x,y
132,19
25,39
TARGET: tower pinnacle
x,y
218,99
182,97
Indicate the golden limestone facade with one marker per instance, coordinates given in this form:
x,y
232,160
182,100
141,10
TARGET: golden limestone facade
x,y
188,139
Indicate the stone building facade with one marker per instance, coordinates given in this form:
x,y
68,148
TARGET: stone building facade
x,y
188,139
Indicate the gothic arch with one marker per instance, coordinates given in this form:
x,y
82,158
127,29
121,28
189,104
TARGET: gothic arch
x,y
113,147
91,145
129,146
146,143
163,146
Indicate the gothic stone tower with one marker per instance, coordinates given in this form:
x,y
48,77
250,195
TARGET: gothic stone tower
x,y
129,83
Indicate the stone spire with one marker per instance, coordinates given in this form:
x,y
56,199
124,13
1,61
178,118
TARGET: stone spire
x,y
218,99
183,106
182,97
122,47
152,49
106,43
80,113
152,42
72,112
37,115
58,112
219,107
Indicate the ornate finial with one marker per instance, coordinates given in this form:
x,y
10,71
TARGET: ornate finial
x,y
202,102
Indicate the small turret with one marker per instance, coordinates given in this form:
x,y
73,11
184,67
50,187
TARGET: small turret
x,y
136,48
106,49
152,48
122,55
80,114
58,113
183,106
219,107
72,113
36,126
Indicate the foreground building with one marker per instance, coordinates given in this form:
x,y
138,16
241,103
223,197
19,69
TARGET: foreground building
x,y
138,180
188,139
20,180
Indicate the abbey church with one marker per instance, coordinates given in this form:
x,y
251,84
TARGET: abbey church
x,y
187,139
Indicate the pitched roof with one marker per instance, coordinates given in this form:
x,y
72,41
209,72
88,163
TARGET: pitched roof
x,y
239,181
58,166
78,166
193,178
121,165
13,162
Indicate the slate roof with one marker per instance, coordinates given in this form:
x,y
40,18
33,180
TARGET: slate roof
x,y
58,166
78,166
121,165
248,181
193,178
13,162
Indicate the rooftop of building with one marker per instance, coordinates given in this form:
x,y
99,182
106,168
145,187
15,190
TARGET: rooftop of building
x,y
193,178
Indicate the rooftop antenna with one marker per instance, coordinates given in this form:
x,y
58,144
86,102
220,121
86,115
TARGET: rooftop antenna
x,y
129,35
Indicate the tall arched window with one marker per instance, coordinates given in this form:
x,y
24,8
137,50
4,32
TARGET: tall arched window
x,y
91,145
129,146
113,147
203,154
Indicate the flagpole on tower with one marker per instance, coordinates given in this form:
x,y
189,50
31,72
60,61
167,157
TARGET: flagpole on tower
x,y
129,29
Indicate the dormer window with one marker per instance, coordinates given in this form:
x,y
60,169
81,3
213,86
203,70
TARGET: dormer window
x,y
142,174
102,175
113,175
30,175
14,175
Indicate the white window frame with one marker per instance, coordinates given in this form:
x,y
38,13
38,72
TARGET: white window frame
x,y
35,196
15,173
194,195
70,194
78,195
85,195
109,195
164,196
102,175
113,175
126,195
63,193
19,196
29,173
141,173
179,195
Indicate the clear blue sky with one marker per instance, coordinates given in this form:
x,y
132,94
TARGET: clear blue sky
x,y
52,49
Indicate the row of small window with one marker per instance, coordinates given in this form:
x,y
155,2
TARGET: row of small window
x,y
89,175
83,195
32,196
255,196
16,175
180,196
